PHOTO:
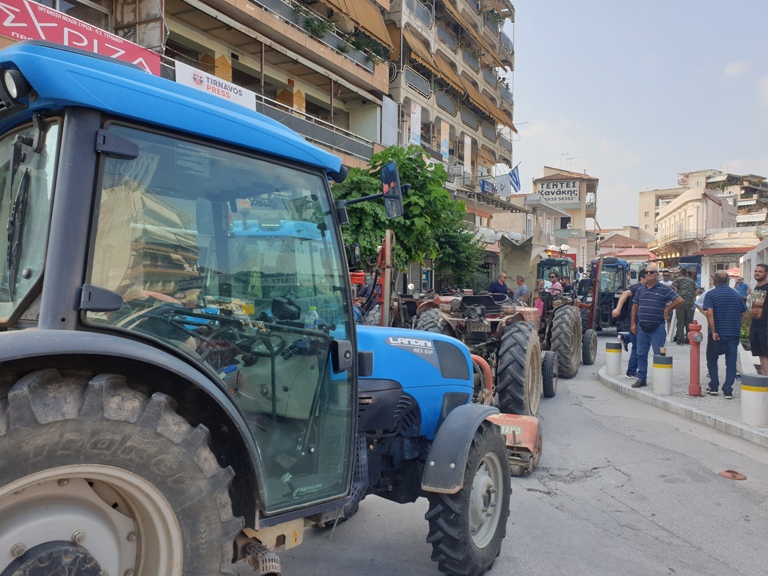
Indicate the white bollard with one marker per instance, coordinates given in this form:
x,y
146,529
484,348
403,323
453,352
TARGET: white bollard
x,y
754,400
662,375
613,358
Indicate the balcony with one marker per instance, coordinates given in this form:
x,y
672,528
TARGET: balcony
x,y
470,59
489,132
421,11
680,236
447,37
316,130
470,119
490,77
446,102
506,94
504,142
417,82
506,43
591,209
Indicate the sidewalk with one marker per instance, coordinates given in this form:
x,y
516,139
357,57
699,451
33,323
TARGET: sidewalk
x,y
715,411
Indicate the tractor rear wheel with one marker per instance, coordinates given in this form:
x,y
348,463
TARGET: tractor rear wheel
x,y
518,372
566,340
431,321
549,373
589,348
466,529
119,482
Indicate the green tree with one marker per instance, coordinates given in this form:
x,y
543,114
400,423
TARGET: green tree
x,y
432,226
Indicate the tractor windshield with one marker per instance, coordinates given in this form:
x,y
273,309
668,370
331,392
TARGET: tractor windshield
x,y
27,164
612,278
235,262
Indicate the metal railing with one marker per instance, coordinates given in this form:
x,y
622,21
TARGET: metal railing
x,y
506,42
490,77
489,132
316,130
445,102
422,12
447,37
506,94
417,82
470,59
470,119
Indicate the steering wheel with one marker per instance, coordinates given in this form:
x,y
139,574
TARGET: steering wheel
x,y
271,346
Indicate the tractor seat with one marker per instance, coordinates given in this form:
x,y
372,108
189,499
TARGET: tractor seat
x,y
487,300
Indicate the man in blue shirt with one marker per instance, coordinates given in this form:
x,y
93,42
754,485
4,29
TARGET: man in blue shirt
x,y
626,300
725,310
742,288
651,307
500,285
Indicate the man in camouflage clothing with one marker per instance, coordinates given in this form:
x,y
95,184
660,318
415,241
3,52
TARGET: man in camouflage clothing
x,y
686,287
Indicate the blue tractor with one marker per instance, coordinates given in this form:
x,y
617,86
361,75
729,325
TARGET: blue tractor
x,y
182,384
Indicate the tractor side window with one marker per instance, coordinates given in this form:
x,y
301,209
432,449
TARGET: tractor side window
x,y
235,262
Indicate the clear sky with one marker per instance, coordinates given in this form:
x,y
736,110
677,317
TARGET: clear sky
x,y
635,92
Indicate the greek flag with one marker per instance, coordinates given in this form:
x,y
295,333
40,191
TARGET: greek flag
x,y
514,179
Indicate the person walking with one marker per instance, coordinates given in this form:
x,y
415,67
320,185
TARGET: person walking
x,y
686,288
651,306
625,301
500,285
724,309
758,328
521,292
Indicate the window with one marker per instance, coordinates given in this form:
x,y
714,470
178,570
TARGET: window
x,y
646,227
94,12
646,214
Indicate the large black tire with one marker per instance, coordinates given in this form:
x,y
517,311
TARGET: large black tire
x,y
549,373
466,529
566,340
518,373
431,321
373,318
589,348
84,448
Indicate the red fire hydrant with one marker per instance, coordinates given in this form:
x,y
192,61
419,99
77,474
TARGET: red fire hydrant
x,y
694,339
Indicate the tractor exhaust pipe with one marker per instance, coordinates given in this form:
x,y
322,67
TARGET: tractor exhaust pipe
x,y
263,561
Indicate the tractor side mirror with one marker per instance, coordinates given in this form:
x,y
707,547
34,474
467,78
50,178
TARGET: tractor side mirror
x,y
353,256
390,188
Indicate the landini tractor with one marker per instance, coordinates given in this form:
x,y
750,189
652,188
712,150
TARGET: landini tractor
x,y
181,382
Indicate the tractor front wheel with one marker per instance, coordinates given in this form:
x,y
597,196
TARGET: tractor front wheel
x,y
431,321
466,529
107,480
518,373
549,374
589,348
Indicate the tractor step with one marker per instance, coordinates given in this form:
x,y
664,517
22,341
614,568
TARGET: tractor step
x,y
523,438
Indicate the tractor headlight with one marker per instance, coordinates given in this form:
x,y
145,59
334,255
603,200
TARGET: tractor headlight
x,y
455,304
15,84
445,308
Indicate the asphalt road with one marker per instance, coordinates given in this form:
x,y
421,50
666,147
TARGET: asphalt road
x,y
623,488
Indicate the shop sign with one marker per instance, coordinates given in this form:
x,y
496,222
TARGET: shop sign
x,y
560,192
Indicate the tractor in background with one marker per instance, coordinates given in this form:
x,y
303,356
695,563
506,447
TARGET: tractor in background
x,y
599,294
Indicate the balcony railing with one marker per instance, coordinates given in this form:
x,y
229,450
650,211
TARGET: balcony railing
x,y
474,4
506,42
286,12
489,132
470,59
504,142
490,77
445,102
447,37
470,119
417,82
680,236
422,12
316,130
506,95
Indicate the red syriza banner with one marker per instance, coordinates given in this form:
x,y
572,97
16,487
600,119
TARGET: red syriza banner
x,y
27,20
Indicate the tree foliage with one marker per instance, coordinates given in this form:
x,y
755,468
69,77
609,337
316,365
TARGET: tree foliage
x,y
432,226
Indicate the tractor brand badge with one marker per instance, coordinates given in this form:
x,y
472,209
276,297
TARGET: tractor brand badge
x,y
421,347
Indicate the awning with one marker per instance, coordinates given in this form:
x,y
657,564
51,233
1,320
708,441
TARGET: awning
x,y
447,72
471,31
420,51
474,95
368,17
485,156
494,111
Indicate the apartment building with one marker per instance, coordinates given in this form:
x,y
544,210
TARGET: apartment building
x,y
352,76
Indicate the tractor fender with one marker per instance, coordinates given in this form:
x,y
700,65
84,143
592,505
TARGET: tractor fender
x,y
447,458
35,349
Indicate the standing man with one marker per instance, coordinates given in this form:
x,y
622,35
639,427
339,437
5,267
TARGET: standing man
x,y
666,278
686,287
758,329
627,299
521,292
651,307
500,285
724,309
742,288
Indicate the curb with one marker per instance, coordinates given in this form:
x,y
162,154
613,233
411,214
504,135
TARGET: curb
x,y
752,434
